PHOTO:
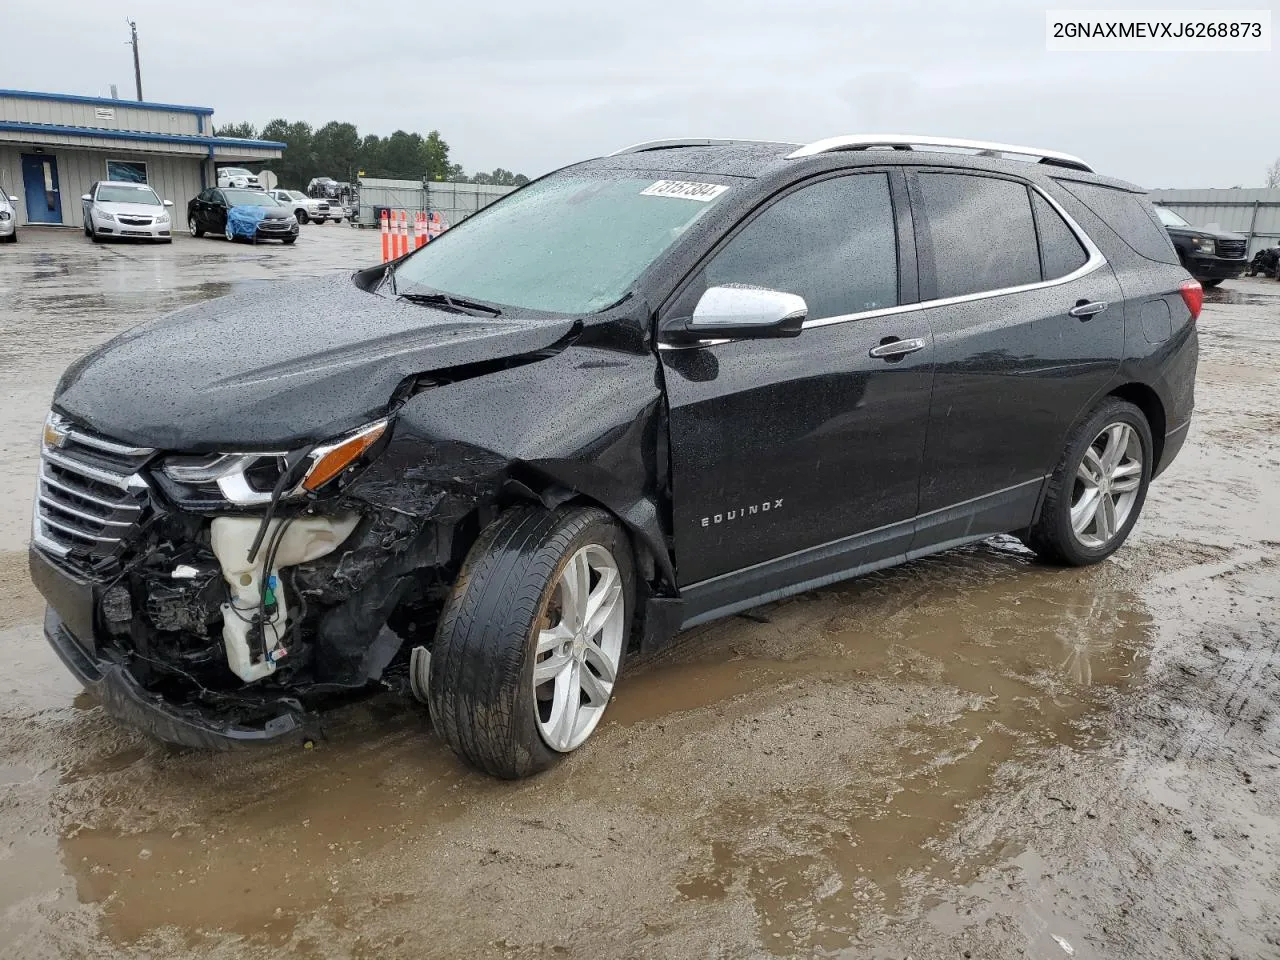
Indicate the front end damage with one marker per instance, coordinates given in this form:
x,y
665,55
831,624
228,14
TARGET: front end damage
x,y
211,624
215,608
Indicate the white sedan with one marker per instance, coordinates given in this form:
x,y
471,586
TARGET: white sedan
x,y
113,208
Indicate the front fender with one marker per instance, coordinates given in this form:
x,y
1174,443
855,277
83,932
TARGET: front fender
x,y
583,422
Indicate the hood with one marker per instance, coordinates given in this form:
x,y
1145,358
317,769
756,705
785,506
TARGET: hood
x,y
1203,232
277,365
131,209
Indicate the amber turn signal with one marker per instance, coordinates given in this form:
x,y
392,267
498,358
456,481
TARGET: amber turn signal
x,y
331,460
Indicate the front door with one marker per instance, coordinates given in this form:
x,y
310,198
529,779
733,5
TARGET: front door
x,y
1013,370
40,177
783,450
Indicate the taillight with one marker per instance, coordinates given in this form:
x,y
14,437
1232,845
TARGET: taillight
x,y
1193,297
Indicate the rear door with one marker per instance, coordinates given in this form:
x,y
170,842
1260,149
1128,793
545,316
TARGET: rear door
x,y
1028,328
782,450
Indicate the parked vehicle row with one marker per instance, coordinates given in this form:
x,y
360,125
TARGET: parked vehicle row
x,y
643,392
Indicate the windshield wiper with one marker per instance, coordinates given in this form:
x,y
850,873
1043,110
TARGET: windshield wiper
x,y
449,301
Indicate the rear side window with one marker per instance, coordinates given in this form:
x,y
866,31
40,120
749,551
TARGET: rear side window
x,y
833,243
982,233
1128,215
1060,251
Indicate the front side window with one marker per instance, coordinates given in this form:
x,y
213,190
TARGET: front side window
x,y
833,243
127,171
573,242
116,193
1060,250
982,233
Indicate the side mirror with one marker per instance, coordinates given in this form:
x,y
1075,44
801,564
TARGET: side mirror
x,y
168,203
13,199
86,197
741,312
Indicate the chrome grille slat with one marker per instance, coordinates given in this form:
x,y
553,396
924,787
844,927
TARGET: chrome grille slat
x,y
92,517
77,533
83,495
91,495
117,480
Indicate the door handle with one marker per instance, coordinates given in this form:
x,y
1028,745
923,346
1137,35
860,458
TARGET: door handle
x,y
891,348
1087,310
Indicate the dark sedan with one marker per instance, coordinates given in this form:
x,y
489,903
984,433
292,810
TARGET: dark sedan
x,y
207,213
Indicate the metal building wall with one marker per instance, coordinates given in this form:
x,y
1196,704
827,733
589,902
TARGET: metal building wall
x,y
173,178
123,116
1253,212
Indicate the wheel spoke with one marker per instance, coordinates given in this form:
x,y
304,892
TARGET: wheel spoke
x,y
553,637
564,706
550,667
602,603
1106,518
1126,484
1090,470
1084,510
1117,444
604,664
596,689
575,587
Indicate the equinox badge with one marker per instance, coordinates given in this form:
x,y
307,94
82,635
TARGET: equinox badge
x,y
739,513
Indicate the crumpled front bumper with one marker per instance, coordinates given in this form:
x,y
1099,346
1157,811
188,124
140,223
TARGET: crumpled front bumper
x,y
69,628
121,696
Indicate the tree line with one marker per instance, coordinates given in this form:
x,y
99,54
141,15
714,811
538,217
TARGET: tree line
x,y
337,150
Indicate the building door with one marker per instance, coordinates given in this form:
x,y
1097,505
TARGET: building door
x,y
40,175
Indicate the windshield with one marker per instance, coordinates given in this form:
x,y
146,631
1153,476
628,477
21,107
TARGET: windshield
x,y
249,198
295,195
1169,218
235,172
570,243
141,193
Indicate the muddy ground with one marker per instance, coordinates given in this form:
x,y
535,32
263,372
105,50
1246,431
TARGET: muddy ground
x,y
969,756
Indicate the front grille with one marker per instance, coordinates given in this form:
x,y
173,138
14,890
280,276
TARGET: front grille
x,y
322,207
275,225
1231,249
90,498
135,221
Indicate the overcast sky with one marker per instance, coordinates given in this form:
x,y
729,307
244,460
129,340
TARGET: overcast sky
x,y
532,86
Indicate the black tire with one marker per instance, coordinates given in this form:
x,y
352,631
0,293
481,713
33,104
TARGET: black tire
x,y
1209,284
1051,535
480,691
13,237
87,231
94,235
193,225
228,234
302,215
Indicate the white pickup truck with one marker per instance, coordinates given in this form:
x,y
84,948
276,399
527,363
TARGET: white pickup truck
x,y
309,208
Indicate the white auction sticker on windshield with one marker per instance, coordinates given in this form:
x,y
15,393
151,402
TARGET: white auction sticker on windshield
x,y
685,190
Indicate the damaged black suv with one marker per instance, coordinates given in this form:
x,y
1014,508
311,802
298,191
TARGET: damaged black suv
x,y
640,393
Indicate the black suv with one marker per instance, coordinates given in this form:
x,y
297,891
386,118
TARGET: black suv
x,y
1210,256
208,212
640,393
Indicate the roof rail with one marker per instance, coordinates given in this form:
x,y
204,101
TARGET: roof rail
x,y
903,141
692,142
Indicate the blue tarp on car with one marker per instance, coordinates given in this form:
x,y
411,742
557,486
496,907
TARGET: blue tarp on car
x,y
243,221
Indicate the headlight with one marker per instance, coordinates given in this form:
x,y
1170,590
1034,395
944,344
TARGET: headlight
x,y
1204,245
163,218
293,221
102,214
246,479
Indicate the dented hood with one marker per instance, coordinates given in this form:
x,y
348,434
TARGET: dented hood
x,y
277,365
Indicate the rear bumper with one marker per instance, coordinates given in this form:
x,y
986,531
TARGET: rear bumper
x,y
121,695
1215,268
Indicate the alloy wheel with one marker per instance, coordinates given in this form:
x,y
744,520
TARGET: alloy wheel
x,y
1107,484
579,648
192,226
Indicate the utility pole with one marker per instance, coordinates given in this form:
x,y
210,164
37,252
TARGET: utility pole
x,y
137,65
